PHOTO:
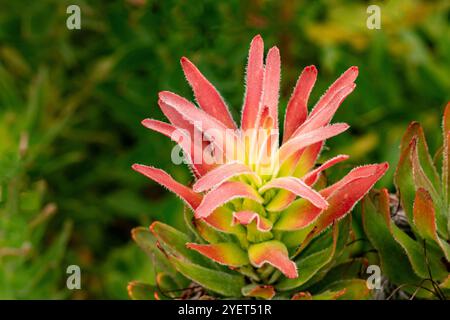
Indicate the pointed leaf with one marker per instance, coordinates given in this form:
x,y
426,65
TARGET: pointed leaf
x,y
313,176
424,215
207,96
258,291
376,224
297,187
416,254
341,198
166,286
274,253
223,139
346,79
142,291
207,232
345,198
147,242
228,254
416,131
247,217
221,219
254,83
190,197
297,107
304,295
183,139
327,295
323,117
355,289
271,83
281,201
421,180
223,283
404,181
219,175
173,242
347,269
304,140
308,266
446,154
226,192
307,160
198,144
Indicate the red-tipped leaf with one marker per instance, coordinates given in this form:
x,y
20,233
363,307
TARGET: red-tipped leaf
x,y
190,197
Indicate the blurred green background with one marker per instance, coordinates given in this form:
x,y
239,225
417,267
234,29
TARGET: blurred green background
x,y
71,102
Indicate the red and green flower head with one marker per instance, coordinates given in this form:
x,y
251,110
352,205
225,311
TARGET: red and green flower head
x,y
257,199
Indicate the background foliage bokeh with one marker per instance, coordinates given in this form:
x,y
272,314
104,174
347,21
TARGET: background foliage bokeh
x,y
71,103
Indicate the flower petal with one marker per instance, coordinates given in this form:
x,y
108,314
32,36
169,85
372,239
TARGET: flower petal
x,y
267,155
183,138
281,201
198,144
274,253
247,217
224,193
306,139
222,173
228,254
324,116
344,199
207,96
367,171
341,197
190,197
307,159
347,78
297,107
254,83
221,219
312,176
298,187
271,83
175,117
225,140
300,214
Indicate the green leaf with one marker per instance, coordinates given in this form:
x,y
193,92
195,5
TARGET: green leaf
x,y
404,181
227,253
174,242
394,261
445,286
293,239
355,289
415,252
258,291
147,242
210,234
220,282
167,286
141,291
415,130
308,266
189,220
349,269
329,295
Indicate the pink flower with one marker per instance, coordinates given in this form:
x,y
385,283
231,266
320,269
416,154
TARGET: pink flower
x,y
251,180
